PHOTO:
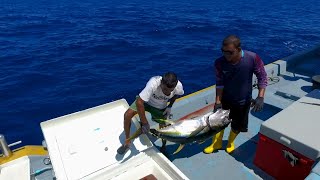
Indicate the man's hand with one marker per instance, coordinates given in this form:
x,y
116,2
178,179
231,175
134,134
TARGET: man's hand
x,y
217,106
145,127
257,104
167,112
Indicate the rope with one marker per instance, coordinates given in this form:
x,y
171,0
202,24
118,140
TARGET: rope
x,y
271,80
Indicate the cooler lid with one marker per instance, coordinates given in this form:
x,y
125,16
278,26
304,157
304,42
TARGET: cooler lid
x,y
297,126
84,142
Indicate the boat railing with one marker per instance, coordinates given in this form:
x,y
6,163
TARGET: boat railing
x,y
6,151
5,148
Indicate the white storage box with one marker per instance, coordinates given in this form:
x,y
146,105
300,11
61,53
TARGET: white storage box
x,y
84,145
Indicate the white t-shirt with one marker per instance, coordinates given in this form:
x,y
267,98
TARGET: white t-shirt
x,y
152,94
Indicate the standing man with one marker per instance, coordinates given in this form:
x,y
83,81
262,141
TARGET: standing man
x,y
154,99
234,71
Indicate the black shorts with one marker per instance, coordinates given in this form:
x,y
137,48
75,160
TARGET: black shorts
x,y
239,115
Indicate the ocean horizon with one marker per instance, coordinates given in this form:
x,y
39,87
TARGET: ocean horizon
x,y
60,57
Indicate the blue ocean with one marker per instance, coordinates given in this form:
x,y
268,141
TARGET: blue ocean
x,y
59,57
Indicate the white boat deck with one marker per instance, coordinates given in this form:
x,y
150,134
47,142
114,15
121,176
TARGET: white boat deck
x,y
239,165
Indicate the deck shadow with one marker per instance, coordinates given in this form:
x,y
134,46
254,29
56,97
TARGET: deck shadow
x,y
132,148
188,151
268,111
306,89
314,94
306,69
295,78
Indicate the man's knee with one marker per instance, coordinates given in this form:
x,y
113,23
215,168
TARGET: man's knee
x,y
129,114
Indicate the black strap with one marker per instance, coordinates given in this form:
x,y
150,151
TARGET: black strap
x,y
208,124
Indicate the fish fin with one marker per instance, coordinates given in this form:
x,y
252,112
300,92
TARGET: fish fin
x,y
179,148
135,135
164,121
169,122
197,131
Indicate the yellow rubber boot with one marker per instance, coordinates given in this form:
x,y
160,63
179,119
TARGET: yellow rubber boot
x,y
230,145
216,143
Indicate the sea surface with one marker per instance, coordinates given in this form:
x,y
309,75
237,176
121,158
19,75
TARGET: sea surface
x,y
59,57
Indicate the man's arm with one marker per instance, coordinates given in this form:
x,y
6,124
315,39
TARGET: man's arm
x,y
261,92
261,74
167,111
172,100
219,82
219,92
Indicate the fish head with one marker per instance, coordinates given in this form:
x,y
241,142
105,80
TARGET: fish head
x,y
219,118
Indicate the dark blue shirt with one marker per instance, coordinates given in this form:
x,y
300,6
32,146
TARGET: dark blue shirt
x,y
236,79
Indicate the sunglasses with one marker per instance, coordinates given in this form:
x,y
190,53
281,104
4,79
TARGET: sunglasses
x,y
228,53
